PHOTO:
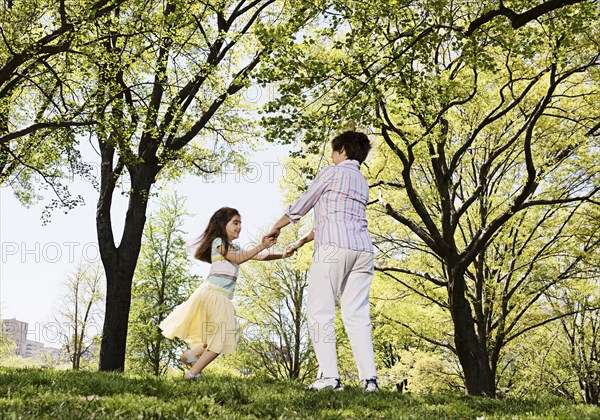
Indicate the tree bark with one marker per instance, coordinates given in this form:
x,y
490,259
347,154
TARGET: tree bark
x,y
114,336
471,349
119,262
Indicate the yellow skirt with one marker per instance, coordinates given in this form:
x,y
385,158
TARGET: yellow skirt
x,y
207,317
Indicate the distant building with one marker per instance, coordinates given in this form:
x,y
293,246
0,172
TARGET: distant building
x,y
17,331
31,348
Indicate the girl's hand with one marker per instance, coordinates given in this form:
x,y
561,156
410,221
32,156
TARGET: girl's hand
x,y
288,252
268,241
291,249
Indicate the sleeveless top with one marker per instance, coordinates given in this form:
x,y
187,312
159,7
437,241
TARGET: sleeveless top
x,y
223,273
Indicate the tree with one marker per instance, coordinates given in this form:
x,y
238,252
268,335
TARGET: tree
x,y
42,101
170,72
577,346
274,327
562,357
162,281
80,316
480,123
7,345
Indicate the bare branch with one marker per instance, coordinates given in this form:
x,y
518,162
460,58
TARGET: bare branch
x,y
40,126
519,19
435,280
438,343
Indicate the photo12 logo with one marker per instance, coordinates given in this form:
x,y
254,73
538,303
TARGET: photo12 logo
x,y
56,333
50,252
253,172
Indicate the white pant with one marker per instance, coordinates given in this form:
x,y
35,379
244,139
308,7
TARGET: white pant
x,y
350,273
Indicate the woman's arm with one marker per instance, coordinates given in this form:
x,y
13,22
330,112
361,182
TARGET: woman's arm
x,y
281,223
300,242
306,201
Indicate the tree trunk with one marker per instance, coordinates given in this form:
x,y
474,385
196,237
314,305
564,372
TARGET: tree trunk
x,y
471,351
119,264
156,359
114,332
75,354
590,390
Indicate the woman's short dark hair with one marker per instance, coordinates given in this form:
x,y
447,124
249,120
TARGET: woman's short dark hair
x,y
356,145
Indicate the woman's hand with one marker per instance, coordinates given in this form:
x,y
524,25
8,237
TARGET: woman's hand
x,y
268,241
288,251
291,248
274,232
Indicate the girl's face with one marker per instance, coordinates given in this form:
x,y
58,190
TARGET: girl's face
x,y
233,228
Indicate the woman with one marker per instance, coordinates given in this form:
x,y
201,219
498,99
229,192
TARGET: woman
x,y
342,261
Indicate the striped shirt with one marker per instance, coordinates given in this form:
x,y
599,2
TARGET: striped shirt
x,y
339,195
223,273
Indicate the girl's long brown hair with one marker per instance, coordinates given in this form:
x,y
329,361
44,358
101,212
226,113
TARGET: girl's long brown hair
x,y
215,229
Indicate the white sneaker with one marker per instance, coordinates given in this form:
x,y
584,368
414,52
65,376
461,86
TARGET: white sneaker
x,y
371,385
326,383
189,376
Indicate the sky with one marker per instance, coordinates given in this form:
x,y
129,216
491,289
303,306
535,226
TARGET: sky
x,y
36,259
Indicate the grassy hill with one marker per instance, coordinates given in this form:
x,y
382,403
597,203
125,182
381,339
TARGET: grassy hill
x,y
32,393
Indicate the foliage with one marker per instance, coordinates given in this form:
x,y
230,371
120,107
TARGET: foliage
x,y
162,281
561,358
425,372
51,394
488,150
43,98
271,299
19,362
411,338
7,345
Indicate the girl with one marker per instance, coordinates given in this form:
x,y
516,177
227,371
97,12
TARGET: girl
x,y
206,321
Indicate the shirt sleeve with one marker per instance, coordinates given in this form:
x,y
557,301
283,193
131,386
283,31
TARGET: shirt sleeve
x,y
310,197
216,246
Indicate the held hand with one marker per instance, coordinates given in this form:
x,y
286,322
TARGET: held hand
x,y
288,252
291,249
268,241
274,232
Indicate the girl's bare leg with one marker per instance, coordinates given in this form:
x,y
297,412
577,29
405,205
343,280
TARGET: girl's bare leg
x,y
197,350
205,358
190,356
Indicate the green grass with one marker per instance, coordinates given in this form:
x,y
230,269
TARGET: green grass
x,y
31,393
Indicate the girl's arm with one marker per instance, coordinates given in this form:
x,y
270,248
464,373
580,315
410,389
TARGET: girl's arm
x,y
268,256
265,255
289,250
243,256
